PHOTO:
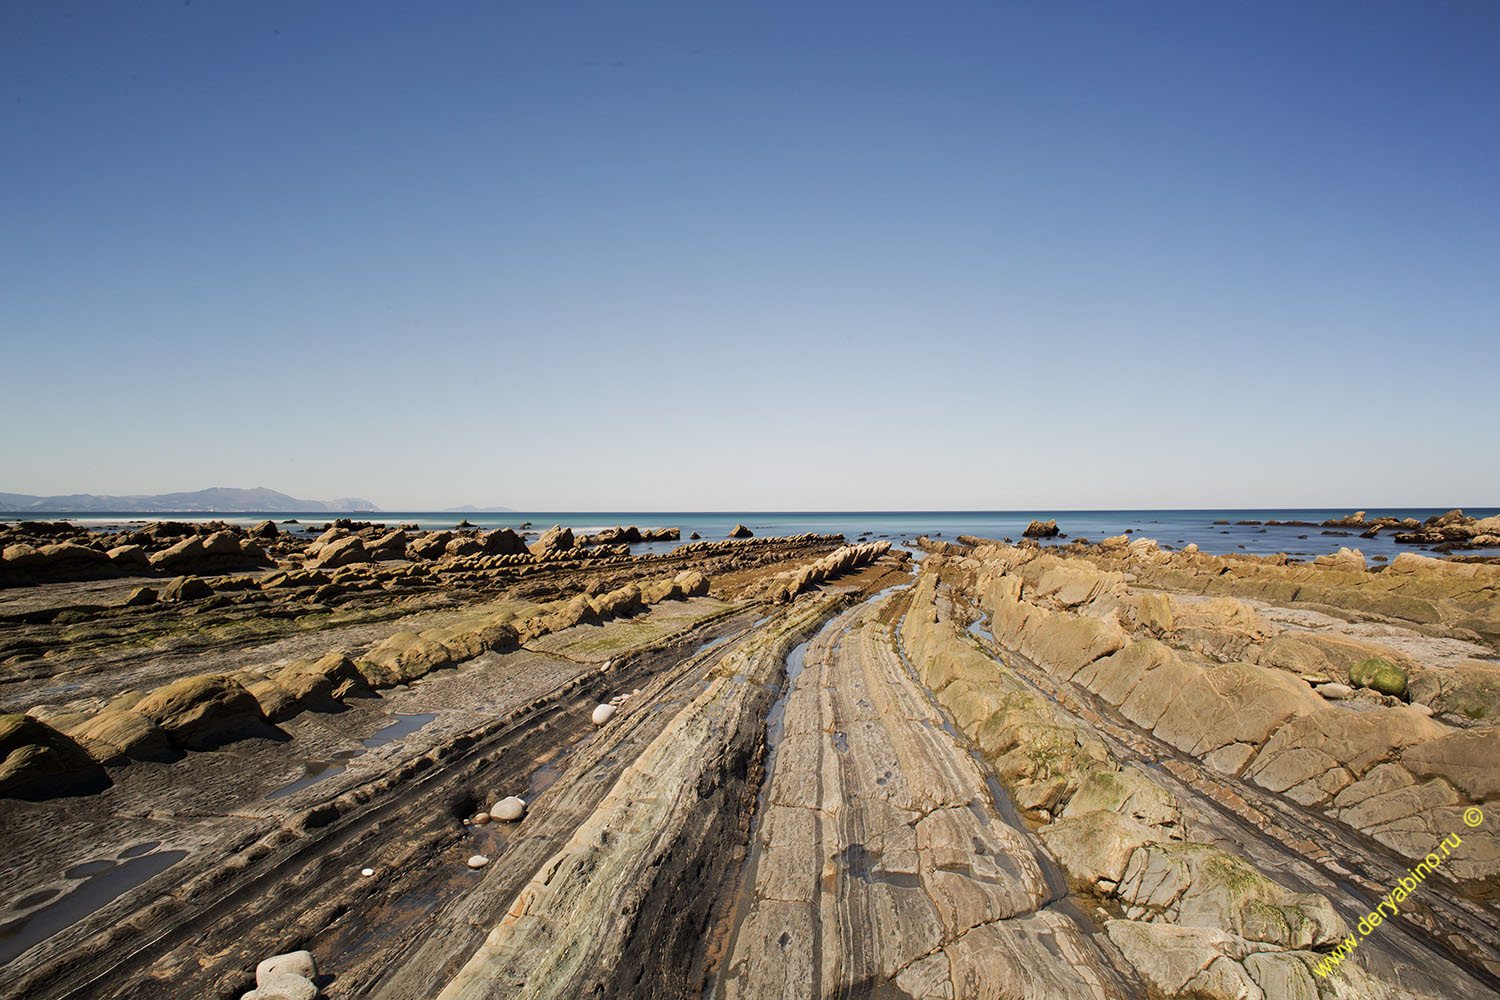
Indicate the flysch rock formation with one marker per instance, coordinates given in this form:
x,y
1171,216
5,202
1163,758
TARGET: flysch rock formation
x,y
454,764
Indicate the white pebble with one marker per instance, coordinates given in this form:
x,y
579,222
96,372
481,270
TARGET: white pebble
x,y
603,714
368,872
508,809
478,861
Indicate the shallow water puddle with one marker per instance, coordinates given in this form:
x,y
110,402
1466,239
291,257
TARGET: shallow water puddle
x,y
315,771
103,882
404,726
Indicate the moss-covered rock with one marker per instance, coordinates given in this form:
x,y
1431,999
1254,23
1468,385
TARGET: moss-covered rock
x,y
1379,674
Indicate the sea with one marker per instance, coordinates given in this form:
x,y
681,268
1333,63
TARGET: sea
x,y
1214,531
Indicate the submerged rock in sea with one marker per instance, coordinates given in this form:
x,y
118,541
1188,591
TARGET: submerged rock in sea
x,y
1041,529
508,809
740,531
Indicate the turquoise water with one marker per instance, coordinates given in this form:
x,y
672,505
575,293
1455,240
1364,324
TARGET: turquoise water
x,y
1169,527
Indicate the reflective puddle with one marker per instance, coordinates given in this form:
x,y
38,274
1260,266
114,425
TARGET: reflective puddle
x,y
103,882
315,771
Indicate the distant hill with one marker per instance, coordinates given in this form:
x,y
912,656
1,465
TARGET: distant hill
x,y
218,498
469,508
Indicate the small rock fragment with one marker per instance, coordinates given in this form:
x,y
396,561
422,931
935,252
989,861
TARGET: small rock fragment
x,y
481,818
478,861
603,714
367,872
1334,692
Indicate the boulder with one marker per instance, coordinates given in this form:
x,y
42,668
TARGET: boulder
x,y
1380,674
1345,560
186,588
554,541
502,542
463,545
284,986
430,545
296,963
185,554
141,596
222,544
343,552
22,556
391,545
129,557
204,712
265,529
740,531
692,583
71,554
122,733
1041,529
314,684
37,761
508,809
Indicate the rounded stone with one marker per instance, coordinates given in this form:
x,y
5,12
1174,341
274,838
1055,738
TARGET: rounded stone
x,y
603,714
294,963
1379,675
508,809
367,872
478,861
481,818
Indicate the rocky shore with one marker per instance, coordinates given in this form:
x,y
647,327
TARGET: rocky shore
x,y
372,761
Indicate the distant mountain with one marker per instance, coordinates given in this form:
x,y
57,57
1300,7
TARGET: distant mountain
x,y
219,498
469,508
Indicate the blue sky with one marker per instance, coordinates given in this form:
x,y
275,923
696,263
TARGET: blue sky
x,y
737,256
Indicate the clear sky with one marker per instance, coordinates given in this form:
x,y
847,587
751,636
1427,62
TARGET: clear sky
x,y
720,255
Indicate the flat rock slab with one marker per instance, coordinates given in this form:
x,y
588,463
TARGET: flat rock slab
x,y
882,858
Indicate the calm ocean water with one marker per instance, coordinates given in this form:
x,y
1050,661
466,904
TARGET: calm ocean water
x,y
1169,527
